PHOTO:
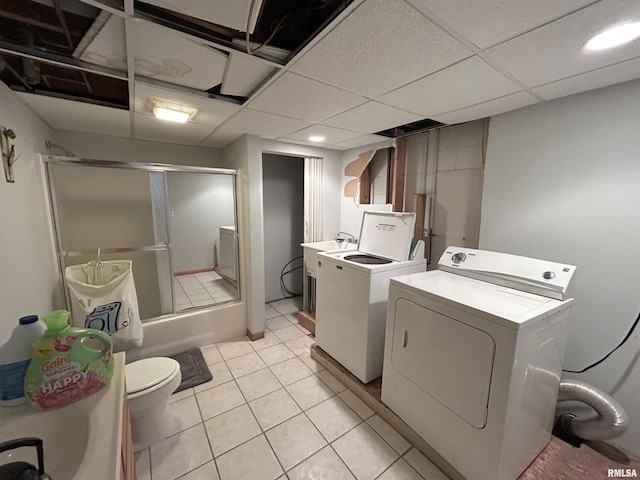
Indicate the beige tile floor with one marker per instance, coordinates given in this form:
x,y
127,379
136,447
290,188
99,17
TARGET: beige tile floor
x,y
201,289
271,412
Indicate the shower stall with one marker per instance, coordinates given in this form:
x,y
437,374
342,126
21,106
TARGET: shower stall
x,y
166,219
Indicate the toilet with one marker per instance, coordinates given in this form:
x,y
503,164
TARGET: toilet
x,y
150,383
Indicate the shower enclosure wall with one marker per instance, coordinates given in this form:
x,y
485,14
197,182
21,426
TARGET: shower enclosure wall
x,y
167,219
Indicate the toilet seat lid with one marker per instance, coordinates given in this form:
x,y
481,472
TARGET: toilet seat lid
x,y
146,373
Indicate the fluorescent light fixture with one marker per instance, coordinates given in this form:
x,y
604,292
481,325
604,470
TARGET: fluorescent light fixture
x,y
614,36
173,112
316,138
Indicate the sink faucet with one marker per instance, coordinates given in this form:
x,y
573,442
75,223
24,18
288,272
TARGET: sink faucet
x,y
344,236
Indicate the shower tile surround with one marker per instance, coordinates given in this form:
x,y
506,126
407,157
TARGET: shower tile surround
x,y
202,289
271,409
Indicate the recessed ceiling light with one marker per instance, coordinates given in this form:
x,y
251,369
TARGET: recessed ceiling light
x,y
316,138
173,112
614,36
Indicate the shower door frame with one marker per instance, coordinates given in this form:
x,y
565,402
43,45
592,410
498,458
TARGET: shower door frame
x,y
142,166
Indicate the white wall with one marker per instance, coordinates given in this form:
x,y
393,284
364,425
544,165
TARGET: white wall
x,y
245,156
29,282
562,183
102,147
201,203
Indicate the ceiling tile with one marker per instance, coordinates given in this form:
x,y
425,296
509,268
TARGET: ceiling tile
x,y
210,112
148,127
166,55
261,123
466,83
371,117
620,72
62,114
361,141
307,143
299,97
244,74
221,12
381,46
486,109
332,135
489,22
219,139
554,51
107,44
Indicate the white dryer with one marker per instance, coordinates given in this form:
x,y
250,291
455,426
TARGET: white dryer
x,y
473,357
352,288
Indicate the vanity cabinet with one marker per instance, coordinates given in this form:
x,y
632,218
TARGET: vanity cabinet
x,y
87,439
128,465
307,316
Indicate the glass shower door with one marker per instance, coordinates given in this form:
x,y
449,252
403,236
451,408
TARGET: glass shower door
x,y
121,213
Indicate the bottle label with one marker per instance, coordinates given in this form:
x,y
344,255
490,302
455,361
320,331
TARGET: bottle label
x,y
63,370
63,381
12,380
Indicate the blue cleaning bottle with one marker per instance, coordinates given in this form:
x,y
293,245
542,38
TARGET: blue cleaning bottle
x,y
15,356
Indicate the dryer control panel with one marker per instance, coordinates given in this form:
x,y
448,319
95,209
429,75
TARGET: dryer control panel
x,y
526,274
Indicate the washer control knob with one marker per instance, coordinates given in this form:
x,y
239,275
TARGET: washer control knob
x,y
548,275
458,257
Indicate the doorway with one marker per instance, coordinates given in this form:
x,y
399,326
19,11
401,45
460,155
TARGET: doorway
x,y
283,213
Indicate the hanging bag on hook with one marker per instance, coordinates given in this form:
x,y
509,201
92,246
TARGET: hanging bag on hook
x,y
103,296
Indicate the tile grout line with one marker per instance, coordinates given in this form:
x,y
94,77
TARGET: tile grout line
x,y
206,435
262,431
150,466
304,412
282,386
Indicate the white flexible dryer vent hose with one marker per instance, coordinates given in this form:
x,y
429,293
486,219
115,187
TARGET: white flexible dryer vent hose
x,y
610,420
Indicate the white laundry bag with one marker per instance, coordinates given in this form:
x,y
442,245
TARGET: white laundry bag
x,y
103,296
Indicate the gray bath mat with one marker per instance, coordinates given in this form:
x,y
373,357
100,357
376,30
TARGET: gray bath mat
x,y
193,369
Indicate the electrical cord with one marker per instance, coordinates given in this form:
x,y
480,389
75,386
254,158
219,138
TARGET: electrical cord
x,y
279,26
633,327
285,291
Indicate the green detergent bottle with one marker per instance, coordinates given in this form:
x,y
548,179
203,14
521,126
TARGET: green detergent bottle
x,y
63,369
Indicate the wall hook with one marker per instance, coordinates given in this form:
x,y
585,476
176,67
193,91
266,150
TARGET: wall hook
x,y
8,152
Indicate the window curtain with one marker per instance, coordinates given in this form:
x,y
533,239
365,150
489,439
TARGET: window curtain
x,y
312,199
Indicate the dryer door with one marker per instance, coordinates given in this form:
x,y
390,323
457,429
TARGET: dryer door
x,y
447,359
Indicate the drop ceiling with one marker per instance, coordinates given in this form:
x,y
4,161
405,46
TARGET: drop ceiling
x,y
346,70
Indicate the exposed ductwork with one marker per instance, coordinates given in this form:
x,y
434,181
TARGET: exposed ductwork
x,y
610,419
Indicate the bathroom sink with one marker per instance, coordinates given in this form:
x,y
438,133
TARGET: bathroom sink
x,y
311,252
81,440
61,458
329,245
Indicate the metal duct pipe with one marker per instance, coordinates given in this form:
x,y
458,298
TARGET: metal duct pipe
x,y
610,420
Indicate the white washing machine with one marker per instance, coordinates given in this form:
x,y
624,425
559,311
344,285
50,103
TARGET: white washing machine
x,y
352,288
473,357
